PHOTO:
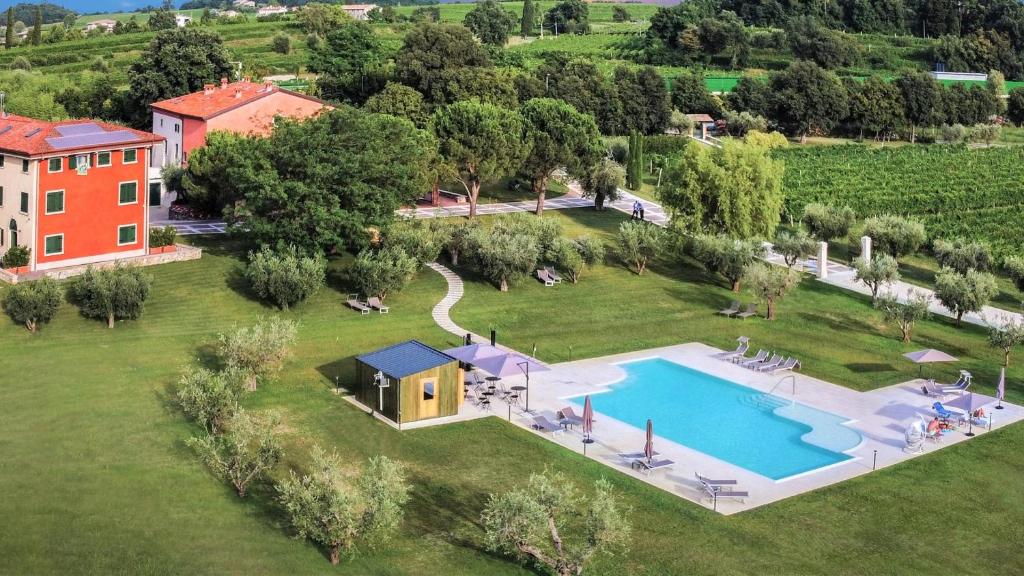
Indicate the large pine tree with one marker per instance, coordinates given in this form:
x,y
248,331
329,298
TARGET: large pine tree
x,y
37,30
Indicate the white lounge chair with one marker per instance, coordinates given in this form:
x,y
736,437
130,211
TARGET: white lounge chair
x,y
542,424
553,275
739,351
543,276
377,305
786,366
761,356
354,303
775,359
770,365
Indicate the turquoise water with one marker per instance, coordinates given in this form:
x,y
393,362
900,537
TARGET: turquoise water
x,y
726,420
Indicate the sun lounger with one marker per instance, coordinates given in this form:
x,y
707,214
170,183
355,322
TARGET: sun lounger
x,y
945,414
761,356
567,417
775,359
555,276
654,465
715,482
354,303
961,385
716,492
786,366
377,305
732,309
931,388
739,351
542,424
751,310
771,364
543,276
631,456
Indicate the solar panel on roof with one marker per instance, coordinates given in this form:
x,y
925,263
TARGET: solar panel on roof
x,y
33,132
93,139
6,129
78,129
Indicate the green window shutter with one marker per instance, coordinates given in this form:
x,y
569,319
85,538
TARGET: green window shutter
x,y
103,159
126,235
1,193
128,193
54,202
72,162
130,155
54,245
55,164
24,202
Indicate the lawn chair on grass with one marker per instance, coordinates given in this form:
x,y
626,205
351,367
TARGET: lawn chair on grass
x,y
733,308
354,303
377,305
544,277
751,310
554,276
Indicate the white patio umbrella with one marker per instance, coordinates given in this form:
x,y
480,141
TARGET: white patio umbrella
x,y
511,363
922,357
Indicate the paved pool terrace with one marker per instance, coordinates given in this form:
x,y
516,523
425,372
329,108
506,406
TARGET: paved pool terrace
x,y
880,416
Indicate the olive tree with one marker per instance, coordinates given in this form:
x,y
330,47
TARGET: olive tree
x,y
1006,336
895,235
421,239
285,277
1014,266
459,238
504,258
793,247
637,243
33,303
770,283
881,270
573,256
209,397
245,452
378,273
258,351
825,222
549,522
723,255
904,314
603,181
962,293
111,294
336,510
962,256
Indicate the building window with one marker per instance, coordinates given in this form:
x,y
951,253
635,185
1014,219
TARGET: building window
x,y
177,128
130,156
54,165
13,226
24,203
53,245
103,158
1,236
55,202
128,193
1,196
80,160
175,150
2,157
161,122
428,390
24,166
154,193
126,234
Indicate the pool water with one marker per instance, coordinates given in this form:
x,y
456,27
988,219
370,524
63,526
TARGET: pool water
x,y
763,433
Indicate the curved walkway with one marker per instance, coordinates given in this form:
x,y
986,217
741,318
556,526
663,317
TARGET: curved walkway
x,y
442,311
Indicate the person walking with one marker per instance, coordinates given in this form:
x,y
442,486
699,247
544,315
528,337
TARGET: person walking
x,y
640,209
636,210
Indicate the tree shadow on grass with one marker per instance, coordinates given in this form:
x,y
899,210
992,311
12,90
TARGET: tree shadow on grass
x,y
339,374
871,367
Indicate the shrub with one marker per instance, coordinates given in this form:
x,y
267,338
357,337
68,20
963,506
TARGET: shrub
x,y
381,272
15,257
1014,266
113,294
504,257
962,256
208,397
793,247
285,277
962,293
825,222
257,352
904,314
33,303
724,255
895,235
160,237
770,283
637,243
953,134
244,453
573,256
281,43
882,269
20,63
421,239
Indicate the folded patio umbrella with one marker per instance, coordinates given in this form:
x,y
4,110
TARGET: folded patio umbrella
x,y
1001,388
928,356
649,445
588,417
509,364
473,352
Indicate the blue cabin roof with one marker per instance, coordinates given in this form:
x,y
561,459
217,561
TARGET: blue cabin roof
x,y
405,358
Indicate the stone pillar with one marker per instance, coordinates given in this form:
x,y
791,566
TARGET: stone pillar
x,y
865,248
823,261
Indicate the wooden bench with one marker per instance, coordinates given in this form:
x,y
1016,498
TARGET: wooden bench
x,y
458,197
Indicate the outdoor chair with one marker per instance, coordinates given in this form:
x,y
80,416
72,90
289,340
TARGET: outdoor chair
x,y
567,417
770,365
751,310
354,303
786,366
634,456
932,388
775,359
739,351
543,276
542,424
654,465
761,356
716,492
733,308
961,385
715,483
945,414
377,305
554,276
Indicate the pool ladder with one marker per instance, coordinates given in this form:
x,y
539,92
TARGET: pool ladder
x,y
779,383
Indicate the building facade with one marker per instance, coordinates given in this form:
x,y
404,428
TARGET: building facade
x,y
73,192
359,11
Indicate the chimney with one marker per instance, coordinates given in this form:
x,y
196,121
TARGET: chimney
x,y
207,89
246,79
223,83
238,92
268,86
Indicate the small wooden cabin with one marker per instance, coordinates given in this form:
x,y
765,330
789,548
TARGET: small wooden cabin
x,y
409,381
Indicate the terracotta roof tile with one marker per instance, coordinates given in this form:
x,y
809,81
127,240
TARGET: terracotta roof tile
x,y
220,98
25,136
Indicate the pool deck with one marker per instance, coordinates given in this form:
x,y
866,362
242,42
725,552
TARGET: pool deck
x,y
880,416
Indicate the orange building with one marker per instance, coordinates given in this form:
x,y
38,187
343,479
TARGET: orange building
x,y
73,192
244,107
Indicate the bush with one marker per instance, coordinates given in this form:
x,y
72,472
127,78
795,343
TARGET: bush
x,y
573,256
160,237
1014,266
33,303
21,63
245,452
953,134
895,235
377,273
15,257
726,256
421,239
210,398
825,222
503,256
113,294
637,243
962,293
285,277
257,352
281,43
962,256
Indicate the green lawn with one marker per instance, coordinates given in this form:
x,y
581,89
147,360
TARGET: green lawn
x,y
95,477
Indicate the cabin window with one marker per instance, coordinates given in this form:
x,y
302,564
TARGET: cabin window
x,y
428,390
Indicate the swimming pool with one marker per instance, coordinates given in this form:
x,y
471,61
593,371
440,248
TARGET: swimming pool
x,y
763,433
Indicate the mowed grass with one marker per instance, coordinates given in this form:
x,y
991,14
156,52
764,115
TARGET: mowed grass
x,y
96,479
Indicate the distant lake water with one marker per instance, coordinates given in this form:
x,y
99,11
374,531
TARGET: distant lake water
x,y
93,6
